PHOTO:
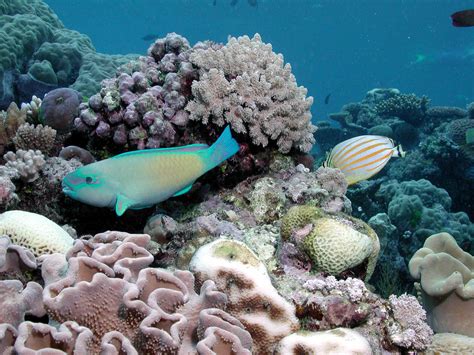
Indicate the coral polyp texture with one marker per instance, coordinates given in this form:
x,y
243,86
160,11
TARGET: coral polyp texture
x,y
35,232
247,85
446,284
335,243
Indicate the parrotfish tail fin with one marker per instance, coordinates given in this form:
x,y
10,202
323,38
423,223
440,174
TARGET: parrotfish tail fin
x,y
223,148
399,152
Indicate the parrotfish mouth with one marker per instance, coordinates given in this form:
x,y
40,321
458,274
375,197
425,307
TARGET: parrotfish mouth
x,y
67,190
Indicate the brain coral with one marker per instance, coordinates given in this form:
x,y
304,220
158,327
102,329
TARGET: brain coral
x,y
248,86
334,243
446,275
35,232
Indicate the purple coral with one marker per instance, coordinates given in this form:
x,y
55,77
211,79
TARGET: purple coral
x,y
144,105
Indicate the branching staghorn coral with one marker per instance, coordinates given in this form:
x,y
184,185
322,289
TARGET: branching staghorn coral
x,y
248,86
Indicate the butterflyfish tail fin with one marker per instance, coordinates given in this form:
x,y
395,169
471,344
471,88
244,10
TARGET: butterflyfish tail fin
x,y
223,148
399,152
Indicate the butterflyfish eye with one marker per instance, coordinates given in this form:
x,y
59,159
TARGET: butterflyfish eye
x,y
89,180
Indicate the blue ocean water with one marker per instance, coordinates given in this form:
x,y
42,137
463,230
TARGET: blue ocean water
x,y
343,48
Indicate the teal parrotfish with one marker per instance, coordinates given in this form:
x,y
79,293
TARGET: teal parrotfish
x,y
143,178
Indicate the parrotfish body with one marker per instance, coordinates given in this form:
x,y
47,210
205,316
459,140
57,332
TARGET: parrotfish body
x,y
144,178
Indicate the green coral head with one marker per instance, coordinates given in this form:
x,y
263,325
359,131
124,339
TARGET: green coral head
x,y
232,250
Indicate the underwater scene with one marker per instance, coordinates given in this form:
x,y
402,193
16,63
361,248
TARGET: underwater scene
x,y
237,177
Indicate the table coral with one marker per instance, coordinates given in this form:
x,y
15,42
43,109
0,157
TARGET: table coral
x,y
247,85
446,285
35,232
335,243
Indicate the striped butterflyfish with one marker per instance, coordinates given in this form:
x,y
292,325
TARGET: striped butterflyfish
x,y
361,157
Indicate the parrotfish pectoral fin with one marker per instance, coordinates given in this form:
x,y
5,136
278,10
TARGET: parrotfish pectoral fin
x,y
122,204
223,148
183,191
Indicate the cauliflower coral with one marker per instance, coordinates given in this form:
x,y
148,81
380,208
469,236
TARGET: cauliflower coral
x,y
248,86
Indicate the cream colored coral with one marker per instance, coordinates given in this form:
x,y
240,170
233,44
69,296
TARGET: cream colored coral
x,y
451,344
446,275
35,232
335,246
330,342
443,267
252,299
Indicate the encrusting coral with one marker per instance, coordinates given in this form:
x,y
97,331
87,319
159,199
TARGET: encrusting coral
x,y
446,284
332,342
246,85
252,299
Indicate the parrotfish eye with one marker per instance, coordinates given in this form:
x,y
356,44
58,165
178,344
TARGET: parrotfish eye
x,y
89,180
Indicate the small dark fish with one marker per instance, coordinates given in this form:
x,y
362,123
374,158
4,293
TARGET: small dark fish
x,y
233,2
326,99
150,37
463,18
252,3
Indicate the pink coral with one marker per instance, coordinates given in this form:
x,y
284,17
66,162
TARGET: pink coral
x,y
247,85
14,260
16,301
109,288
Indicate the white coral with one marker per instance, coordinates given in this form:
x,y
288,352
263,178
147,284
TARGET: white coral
x,y
28,163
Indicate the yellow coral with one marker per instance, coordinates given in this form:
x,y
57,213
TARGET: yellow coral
x,y
336,243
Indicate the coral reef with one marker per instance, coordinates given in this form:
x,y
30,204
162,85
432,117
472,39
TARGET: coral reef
x,y
446,284
38,54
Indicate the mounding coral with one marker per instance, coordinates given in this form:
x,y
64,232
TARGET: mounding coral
x,y
446,284
252,299
335,243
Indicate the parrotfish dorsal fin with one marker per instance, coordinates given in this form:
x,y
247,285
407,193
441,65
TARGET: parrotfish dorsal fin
x,y
122,204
